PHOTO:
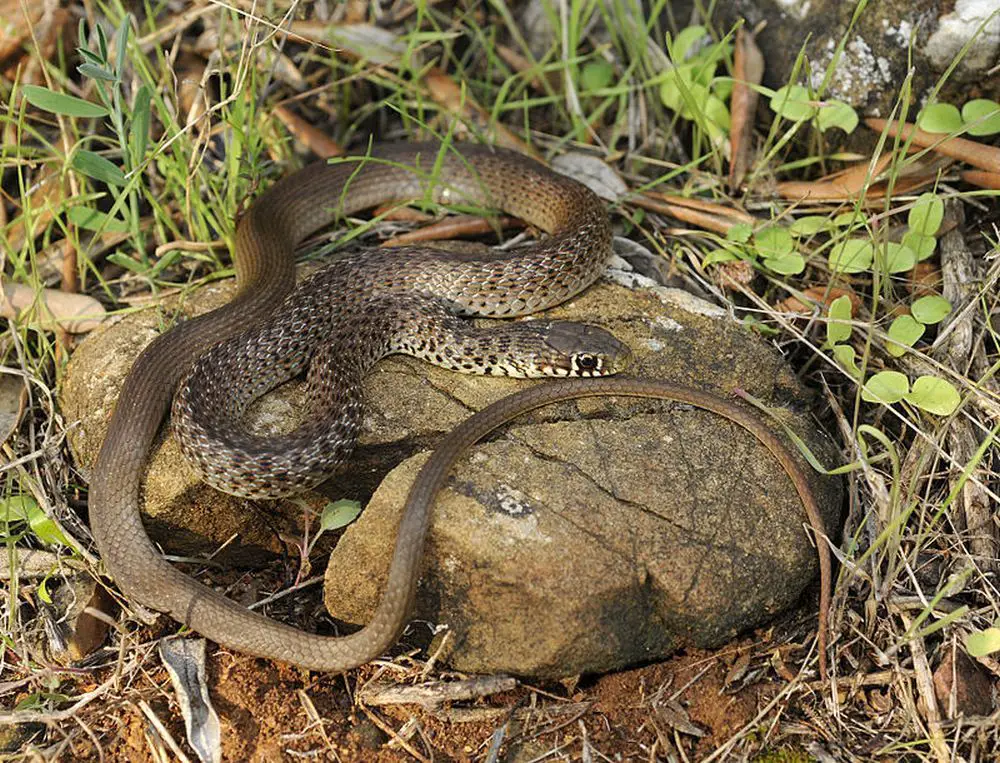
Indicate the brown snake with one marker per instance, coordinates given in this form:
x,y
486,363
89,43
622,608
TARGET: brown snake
x,y
529,279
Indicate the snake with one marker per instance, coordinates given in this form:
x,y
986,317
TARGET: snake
x,y
206,371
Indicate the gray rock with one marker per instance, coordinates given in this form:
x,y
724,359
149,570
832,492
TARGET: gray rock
x,y
597,534
183,514
883,43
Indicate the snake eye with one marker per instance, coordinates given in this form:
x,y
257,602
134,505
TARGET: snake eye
x,y
587,363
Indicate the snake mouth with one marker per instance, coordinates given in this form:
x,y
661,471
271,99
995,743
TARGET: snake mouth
x,y
610,360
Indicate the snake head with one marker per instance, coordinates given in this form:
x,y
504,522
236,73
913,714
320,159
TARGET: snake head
x,y
579,349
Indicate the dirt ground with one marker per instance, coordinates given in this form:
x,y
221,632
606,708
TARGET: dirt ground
x,y
686,708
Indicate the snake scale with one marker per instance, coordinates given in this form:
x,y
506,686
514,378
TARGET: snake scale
x,y
368,304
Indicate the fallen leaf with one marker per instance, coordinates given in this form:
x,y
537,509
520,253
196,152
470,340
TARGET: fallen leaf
x,y
13,399
748,69
444,91
982,179
521,64
704,214
969,151
184,659
455,226
190,74
365,42
45,196
80,630
313,138
962,687
819,295
675,716
593,173
732,275
75,313
925,278
22,25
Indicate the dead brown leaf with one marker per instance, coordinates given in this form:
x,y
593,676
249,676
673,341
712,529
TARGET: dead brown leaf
x,y
982,179
734,274
961,686
969,151
309,135
851,182
75,313
455,226
444,91
22,26
748,69
819,295
704,214
925,278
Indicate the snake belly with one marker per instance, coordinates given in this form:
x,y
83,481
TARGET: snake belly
x,y
502,284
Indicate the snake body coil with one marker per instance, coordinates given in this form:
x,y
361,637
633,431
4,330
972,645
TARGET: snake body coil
x,y
343,320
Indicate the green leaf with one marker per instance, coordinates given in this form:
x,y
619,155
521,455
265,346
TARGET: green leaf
x,y
930,309
982,116
693,102
885,387
904,333
102,41
940,117
96,166
60,103
41,701
717,256
166,261
810,225
723,88
676,79
91,219
121,43
844,354
838,328
934,395
792,102
24,508
94,71
895,258
854,255
848,219
139,127
773,241
741,232
685,40
338,514
91,57
786,264
926,214
716,112
122,260
837,114
923,246
43,591
983,643
596,75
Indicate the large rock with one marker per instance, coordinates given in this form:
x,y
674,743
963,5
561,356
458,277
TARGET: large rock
x,y
589,536
182,513
597,534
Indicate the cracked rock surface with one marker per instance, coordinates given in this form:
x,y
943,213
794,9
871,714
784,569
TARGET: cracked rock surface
x,y
596,534
587,536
